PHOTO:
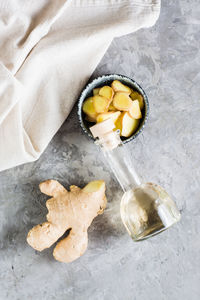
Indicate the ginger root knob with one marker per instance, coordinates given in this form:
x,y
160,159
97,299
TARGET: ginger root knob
x,y
74,210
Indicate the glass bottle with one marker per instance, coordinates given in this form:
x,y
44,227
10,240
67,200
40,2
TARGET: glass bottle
x,y
146,208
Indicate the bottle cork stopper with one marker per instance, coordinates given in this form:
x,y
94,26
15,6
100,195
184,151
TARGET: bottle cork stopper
x,y
102,128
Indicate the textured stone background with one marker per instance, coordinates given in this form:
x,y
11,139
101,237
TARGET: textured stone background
x,y
166,61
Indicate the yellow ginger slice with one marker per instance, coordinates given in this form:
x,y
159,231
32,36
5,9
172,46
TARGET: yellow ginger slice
x,y
94,186
96,91
118,123
91,119
117,86
101,104
74,210
135,111
111,107
89,110
122,101
109,115
136,96
126,124
107,92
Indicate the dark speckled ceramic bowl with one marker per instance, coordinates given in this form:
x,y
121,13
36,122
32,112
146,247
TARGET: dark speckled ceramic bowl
x,y
107,80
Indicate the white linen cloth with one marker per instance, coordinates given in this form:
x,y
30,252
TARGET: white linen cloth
x,y
48,50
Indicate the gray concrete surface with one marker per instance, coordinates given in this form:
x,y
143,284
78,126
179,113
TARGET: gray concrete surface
x,y
165,59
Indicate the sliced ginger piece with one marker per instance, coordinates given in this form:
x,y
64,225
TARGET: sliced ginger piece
x,y
74,210
107,92
111,107
135,111
101,104
117,86
94,186
136,96
118,123
88,108
96,91
128,124
122,101
109,115
91,119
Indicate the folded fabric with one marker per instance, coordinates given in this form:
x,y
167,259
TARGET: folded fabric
x,y
49,49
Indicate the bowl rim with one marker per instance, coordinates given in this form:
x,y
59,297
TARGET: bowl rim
x,y
90,84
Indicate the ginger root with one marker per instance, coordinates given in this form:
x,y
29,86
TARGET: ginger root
x,y
74,210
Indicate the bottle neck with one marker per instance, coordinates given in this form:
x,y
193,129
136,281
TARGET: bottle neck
x,y
119,160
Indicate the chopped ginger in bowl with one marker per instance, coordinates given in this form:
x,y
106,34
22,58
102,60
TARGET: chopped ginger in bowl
x,y
117,97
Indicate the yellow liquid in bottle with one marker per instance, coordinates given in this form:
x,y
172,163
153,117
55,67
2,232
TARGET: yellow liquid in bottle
x,y
147,210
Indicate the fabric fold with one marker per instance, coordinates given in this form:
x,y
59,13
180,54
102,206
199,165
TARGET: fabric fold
x,y
42,77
